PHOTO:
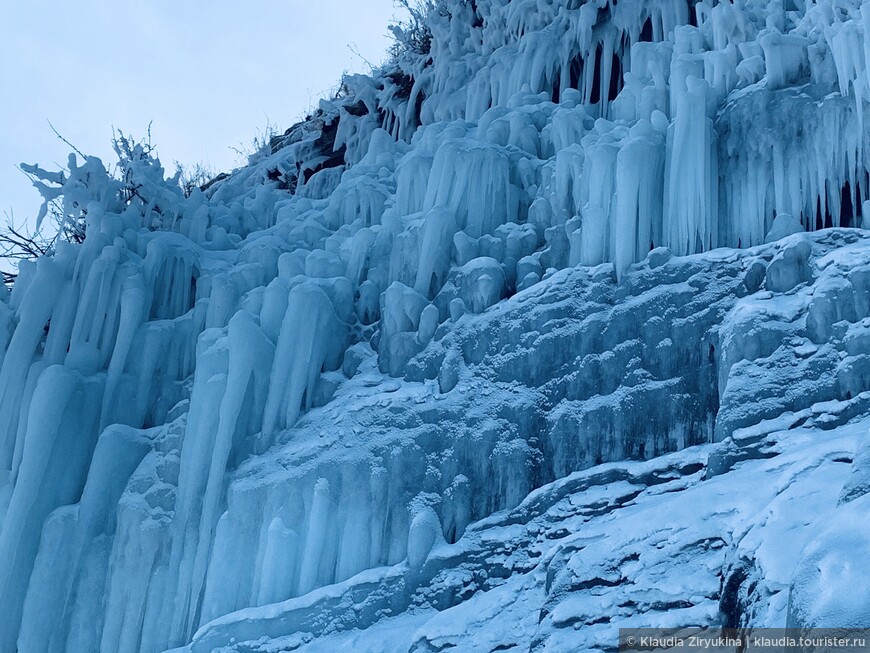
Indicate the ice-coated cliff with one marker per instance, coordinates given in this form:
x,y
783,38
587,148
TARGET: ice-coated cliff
x,y
559,322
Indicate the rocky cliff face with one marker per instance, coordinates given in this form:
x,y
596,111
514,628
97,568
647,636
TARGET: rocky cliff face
x,y
558,323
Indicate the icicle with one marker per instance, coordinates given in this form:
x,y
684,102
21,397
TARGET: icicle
x,y
691,183
224,410
439,227
473,182
639,201
58,445
36,308
315,538
312,339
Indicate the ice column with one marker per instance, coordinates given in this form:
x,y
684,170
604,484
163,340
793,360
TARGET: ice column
x,y
691,207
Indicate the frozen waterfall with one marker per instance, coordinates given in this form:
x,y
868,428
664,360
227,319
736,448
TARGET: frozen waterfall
x,y
454,328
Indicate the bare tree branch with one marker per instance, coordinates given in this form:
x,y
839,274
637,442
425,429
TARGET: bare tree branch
x,y
57,133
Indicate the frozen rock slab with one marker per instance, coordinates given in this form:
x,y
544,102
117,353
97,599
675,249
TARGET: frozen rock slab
x,y
790,349
576,371
637,544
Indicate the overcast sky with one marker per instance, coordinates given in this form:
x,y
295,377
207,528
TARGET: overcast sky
x,y
208,75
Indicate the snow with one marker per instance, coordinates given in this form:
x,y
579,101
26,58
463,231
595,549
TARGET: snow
x,y
621,545
829,561
560,327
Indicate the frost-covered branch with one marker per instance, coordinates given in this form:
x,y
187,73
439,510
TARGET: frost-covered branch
x,y
136,182
414,35
198,176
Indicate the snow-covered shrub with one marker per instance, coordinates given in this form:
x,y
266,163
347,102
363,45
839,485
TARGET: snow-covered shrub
x,y
137,183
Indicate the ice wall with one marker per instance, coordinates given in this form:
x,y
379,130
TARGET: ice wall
x,y
488,265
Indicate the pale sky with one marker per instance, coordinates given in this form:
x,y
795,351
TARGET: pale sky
x,y
207,75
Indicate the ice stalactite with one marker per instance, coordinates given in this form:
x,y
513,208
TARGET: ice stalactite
x,y
171,270
474,183
617,195
691,206
74,560
436,245
48,471
639,204
823,186
226,404
412,178
598,185
312,339
312,549
282,545
32,316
